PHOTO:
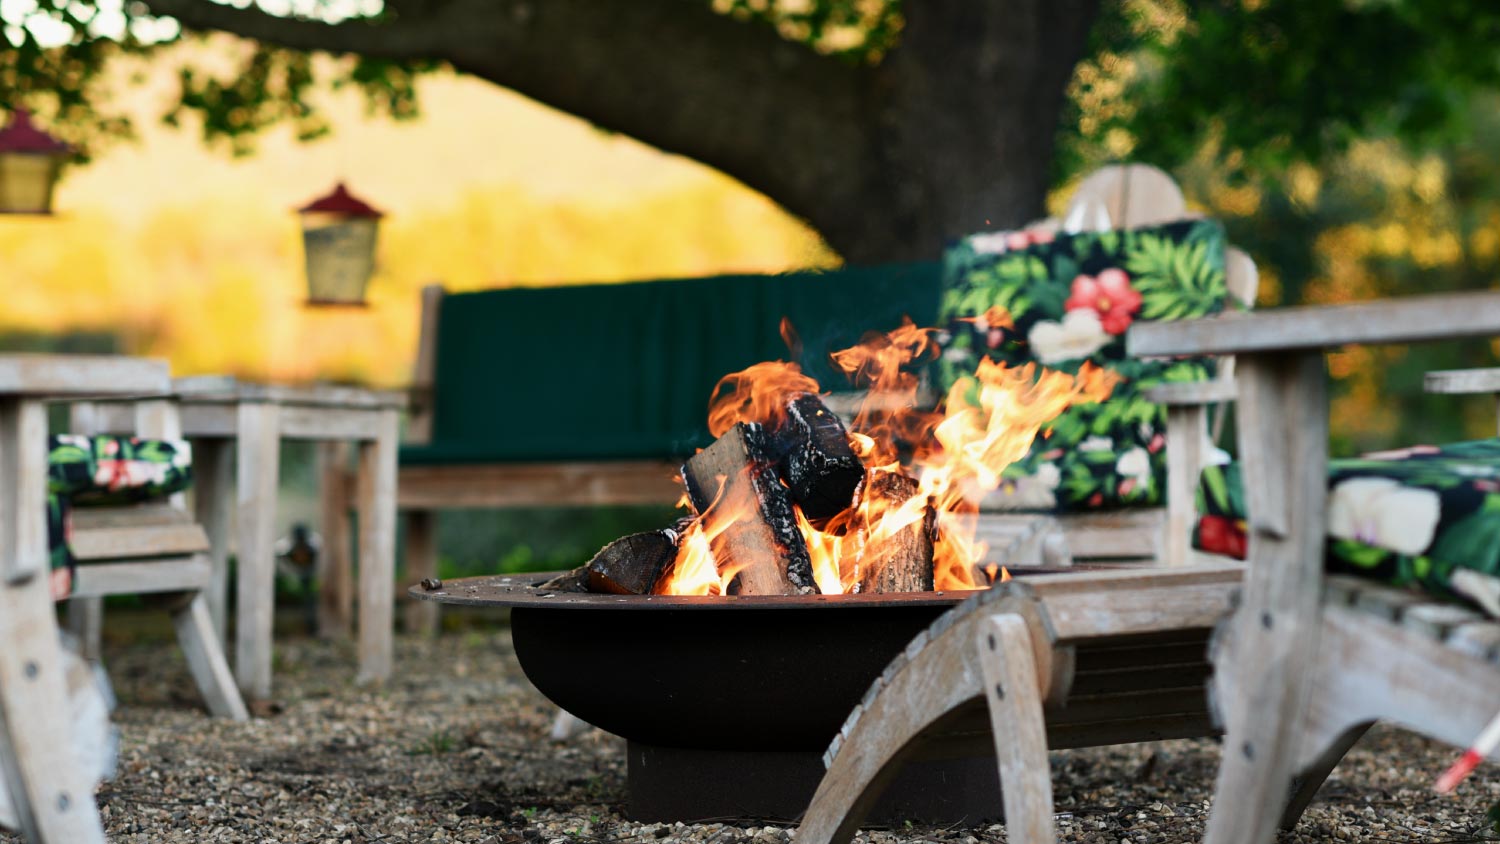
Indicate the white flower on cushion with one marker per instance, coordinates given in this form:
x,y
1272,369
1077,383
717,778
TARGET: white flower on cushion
x,y
1135,463
1079,335
1096,443
1385,514
990,243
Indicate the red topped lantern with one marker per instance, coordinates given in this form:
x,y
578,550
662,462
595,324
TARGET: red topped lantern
x,y
338,238
30,162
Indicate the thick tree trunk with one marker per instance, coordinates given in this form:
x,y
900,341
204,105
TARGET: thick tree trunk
x,y
953,132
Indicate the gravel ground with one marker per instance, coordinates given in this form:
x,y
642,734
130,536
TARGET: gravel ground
x,y
454,749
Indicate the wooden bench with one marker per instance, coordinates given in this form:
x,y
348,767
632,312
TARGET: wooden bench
x,y
507,412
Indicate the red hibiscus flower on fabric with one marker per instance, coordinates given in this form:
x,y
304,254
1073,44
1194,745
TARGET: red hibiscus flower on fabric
x,y
1109,295
1220,535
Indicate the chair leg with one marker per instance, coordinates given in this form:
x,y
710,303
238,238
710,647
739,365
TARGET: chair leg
x,y
1010,685
85,619
205,658
1305,786
51,798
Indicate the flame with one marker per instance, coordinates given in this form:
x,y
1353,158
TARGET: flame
x,y
758,394
955,454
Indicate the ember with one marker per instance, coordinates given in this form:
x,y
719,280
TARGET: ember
x,y
788,501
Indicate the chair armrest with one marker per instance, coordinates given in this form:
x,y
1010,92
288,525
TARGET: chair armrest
x,y
1189,393
1411,319
81,376
1463,381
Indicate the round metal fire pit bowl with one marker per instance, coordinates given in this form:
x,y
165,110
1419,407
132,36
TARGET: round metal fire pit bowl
x,y
728,703
711,673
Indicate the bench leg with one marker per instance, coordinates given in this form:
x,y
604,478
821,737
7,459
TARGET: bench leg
x,y
85,620
422,617
335,566
1010,685
206,661
1306,784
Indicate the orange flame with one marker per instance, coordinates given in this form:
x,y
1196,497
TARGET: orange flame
x,y
956,453
758,394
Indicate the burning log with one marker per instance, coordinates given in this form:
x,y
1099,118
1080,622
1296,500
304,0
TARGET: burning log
x,y
572,580
763,540
900,562
630,565
818,464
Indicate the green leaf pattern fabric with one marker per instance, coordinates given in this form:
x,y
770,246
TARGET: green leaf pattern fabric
x,y
92,471
1426,517
1069,298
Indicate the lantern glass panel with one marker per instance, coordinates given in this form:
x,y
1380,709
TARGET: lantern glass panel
x,y
340,253
26,181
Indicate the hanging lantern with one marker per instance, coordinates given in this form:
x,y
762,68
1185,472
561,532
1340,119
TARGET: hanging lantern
x,y
338,237
30,162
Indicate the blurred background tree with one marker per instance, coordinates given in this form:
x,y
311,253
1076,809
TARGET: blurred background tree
x,y
1346,144
890,127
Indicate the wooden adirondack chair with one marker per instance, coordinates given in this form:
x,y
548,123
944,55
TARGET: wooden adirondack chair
x,y
1055,661
1306,662
1136,196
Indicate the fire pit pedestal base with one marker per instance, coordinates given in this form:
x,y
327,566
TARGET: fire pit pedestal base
x,y
677,784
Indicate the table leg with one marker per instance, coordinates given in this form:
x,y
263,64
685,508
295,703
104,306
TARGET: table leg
x,y
336,569
213,463
259,449
377,548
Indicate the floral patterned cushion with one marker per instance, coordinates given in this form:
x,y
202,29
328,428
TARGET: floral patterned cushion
x,y
1060,300
1426,517
87,471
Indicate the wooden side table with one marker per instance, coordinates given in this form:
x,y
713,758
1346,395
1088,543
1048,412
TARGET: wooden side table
x,y
236,424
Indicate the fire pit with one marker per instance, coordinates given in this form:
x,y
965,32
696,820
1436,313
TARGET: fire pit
x,y
728,702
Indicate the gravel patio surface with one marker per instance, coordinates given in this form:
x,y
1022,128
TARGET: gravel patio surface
x,y
455,749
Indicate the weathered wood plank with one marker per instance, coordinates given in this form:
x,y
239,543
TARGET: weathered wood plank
x,y
119,543
377,549
259,454
53,799
503,485
424,372
62,376
1410,319
1020,733
1187,454
336,568
1463,381
1265,659
205,659
422,617
163,574
213,508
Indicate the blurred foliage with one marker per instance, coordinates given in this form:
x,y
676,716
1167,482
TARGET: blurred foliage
x,y
536,538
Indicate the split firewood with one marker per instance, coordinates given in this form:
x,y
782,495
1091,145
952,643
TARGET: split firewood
x,y
901,562
630,565
572,580
763,541
817,462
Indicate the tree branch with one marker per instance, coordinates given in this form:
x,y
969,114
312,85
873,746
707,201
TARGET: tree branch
x,y
671,73
388,40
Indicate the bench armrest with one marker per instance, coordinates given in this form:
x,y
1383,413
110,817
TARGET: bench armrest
x,y
1189,393
80,376
1411,319
1463,381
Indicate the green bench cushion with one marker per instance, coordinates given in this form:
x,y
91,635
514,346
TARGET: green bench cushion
x,y
624,371
105,471
1426,517
1071,298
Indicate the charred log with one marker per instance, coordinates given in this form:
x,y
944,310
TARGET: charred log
x,y
573,580
737,477
900,562
630,565
817,462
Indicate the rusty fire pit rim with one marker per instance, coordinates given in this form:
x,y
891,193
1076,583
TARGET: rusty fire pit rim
x,y
520,590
